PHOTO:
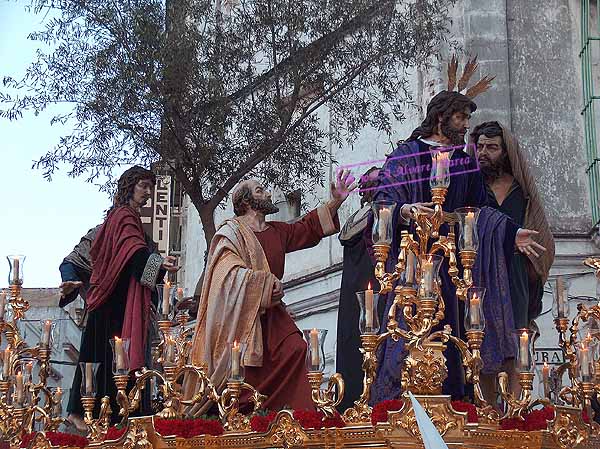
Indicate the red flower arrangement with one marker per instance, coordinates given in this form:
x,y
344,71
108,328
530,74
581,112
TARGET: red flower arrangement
x,y
57,439
114,433
470,409
381,409
310,419
534,420
260,423
188,428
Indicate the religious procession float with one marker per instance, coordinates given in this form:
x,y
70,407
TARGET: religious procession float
x,y
560,417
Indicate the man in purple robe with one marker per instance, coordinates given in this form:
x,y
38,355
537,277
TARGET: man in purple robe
x,y
404,179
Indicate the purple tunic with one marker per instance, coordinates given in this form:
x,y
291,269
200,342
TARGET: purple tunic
x,y
405,179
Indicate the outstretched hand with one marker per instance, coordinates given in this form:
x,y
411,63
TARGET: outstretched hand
x,y
525,243
344,185
170,264
68,287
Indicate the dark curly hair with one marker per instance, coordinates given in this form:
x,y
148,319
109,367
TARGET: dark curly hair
x,y
442,105
492,129
128,181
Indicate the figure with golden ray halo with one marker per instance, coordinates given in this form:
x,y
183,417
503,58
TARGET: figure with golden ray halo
x,y
433,157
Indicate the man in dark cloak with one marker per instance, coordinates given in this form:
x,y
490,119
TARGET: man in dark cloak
x,y
357,275
511,189
76,269
124,275
404,179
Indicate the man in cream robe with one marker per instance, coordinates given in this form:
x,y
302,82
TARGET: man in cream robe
x,y
242,291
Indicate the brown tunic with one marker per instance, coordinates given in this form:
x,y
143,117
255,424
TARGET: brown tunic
x,y
282,376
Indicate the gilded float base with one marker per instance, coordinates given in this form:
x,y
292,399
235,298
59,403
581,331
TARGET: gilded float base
x,y
399,432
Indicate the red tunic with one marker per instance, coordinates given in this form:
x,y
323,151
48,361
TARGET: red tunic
x,y
283,374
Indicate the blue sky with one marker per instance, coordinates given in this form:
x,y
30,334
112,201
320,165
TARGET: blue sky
x,y
40,219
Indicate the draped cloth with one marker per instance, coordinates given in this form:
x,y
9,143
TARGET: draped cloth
x,y
535,217
402,182
116,242
237,285
498,342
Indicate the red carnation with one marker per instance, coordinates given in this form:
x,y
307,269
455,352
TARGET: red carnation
x,y
470,409
381,409
114,433
261,423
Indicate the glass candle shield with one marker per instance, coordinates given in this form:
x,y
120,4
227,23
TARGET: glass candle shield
x,y
315,354
468,239
383,212
560,295
48,333
236,361
88,378
474,317
120,348
169,355
15,274
524,339
585,360
368,321
440,168
166,299
408,277
429,277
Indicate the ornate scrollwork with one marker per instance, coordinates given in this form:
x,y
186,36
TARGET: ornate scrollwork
x,y
286,432
137,437
567,428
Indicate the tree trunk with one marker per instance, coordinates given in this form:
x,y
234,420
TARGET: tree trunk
x,y
207,218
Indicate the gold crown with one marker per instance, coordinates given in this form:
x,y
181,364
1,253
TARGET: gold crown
x,y
470,67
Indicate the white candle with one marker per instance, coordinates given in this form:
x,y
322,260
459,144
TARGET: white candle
x,y
546,379
469,226
89,379
6,365
119,354
46,333
410,267
584,358
19,388
170,350
428,277
369,308
314,348
474,310
29,371
524,350
560,297
236,352
2,304
15,271
166,298
385,219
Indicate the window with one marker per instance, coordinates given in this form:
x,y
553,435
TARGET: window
x,y
590,69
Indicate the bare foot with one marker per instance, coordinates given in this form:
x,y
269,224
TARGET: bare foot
x,y
78,422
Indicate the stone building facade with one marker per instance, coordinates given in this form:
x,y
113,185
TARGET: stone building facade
x,y
533,48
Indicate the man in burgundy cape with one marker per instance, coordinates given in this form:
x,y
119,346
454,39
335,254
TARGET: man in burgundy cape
x,y
242,291
124,274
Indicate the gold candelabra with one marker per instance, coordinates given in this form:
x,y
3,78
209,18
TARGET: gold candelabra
x,y
417,297
23,402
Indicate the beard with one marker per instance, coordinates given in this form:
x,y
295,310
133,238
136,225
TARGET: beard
x,y
266,207
456,136
493,169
